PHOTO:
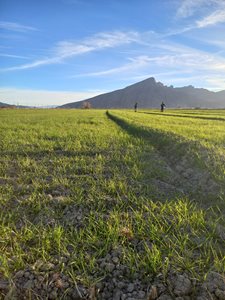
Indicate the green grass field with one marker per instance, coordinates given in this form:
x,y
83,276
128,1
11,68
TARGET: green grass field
x,y
90,199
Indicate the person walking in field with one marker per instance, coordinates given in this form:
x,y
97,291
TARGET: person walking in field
x,y
135,107
162,106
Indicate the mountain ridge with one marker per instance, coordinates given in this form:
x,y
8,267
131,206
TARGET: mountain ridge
x,y
149,94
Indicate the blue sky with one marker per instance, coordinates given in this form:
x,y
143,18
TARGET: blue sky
x,y
59,51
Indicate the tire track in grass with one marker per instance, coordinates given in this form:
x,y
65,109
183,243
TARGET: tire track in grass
x,y
184,116
180,160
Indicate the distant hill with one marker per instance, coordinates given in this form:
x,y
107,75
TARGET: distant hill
x,y
5,105
149,94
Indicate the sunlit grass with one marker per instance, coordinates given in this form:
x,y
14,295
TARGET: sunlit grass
x,y
80,179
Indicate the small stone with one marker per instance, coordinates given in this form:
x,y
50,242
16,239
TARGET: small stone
x,y
115,259
40,278
110,287
121,285
182,286
215,281
66,285
109,267
4,284
116,295
108,295
141,294
108,258
29,285
19,274
27,274
53,295
123,296
165,297
31,276
161,288
130,287
220,294
116,273
70,248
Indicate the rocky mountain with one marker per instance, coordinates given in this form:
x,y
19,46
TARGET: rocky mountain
x,y
149,94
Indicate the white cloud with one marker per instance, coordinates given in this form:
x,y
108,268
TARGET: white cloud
x,y
42,97
188,7
193,59
13,56
67,49
214,18
16,27
37,63
180,64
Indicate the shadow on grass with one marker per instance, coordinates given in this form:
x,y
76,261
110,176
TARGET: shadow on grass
x,y
169,145
190,170
36,154
182,116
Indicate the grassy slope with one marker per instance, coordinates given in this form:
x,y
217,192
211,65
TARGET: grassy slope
x,y
83,181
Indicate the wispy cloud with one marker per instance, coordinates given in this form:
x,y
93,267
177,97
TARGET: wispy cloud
x,y
191,58
179,63
188,7
13,56
214,18
11,26
67,49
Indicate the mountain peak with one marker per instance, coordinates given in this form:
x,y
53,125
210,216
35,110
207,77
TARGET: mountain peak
x,y
149,94
150,80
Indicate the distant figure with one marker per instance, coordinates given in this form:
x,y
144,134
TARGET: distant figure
x,y
162,106
135,107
